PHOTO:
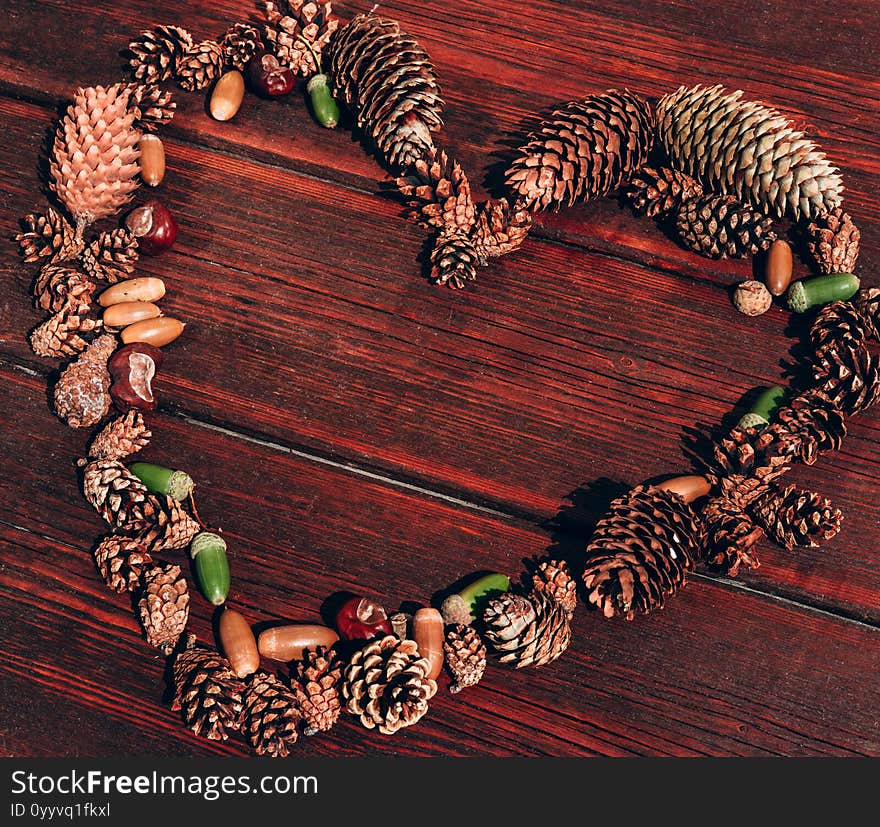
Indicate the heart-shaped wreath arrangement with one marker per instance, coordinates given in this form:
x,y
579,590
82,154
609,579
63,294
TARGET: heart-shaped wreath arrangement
x,y
726,170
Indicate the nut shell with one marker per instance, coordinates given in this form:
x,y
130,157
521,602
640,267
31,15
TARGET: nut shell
x,y
752,298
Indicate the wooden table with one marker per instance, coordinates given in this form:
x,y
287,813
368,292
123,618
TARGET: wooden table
x,y
353,427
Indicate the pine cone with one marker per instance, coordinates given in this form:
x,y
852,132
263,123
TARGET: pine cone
x,y
809,425
735,452
121,437
868,303
386,684
271,716
718,226
585,150
747,150
642,551
59,287
658,193
289,20
200,66
526,631
82,395
61,334
155,54
48,237
173,528
464,655
208,693
151,106
164,606
833,241
553,579
499,229
453,260
732,536
240,43
439,194
111,256
121,561
388,81
793,517
94,157
315,681
118,495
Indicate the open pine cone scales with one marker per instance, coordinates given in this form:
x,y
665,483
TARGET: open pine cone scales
x,y
290,22
199,66
658,193
49,238
118,495
526,630
121,561
111,256
809,425
833,241
315,682
719,226
438,193
151,106
499,228
271,716
795,517
154,55
208,693
464,655
164,606
121,437
453,259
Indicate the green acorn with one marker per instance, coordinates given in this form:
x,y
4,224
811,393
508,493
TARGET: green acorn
x,y
208,552
764,408
324,107
819,290
465,606
160,480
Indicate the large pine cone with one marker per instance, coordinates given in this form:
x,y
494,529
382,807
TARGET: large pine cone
x,y
82,395
747,150
809,425
718,226
453,259
208,693
164,606
526,631
271,716
795,517
833,241
586,149
386,684
464,655
151,106
499,229
290,22
315,682
658,193
641,551
121,437
118,495
200,66
50,238
154,55
438,193
121,561
111,256
387,80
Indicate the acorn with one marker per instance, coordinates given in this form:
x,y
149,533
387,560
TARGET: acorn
x,y
819,290
324,107
208,552
464,606
764,407
161,480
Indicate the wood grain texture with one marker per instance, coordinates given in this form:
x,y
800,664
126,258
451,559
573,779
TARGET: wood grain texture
x,y
584,363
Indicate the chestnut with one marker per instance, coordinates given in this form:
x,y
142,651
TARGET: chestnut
x,y
360,618
153,226
268,77
132,369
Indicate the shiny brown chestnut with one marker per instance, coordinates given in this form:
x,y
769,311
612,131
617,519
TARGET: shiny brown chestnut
x,y
268,77
154,227
132,369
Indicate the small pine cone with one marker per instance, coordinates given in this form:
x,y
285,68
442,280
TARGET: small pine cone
x,y
553,578
735,453
315,681
164,606
499,229
809,425
240,43
151,106
658,193
81,394
526,631
271,715
173,528
208,693
118,495
60,335
111,256
732,536
121,437
386,684
121,561
50,238
388,81
747,150
838,325
155,54
868,303
453,260
641,551
833,241
718,226
584,150
200,66
439,194
464,655
289,20
59,287
794,517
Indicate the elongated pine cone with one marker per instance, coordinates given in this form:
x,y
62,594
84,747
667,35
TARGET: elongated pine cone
x,y
499,229
111,256
718,226
833,241
50,238
553,578
154,55
118,495
658,193
240,43
290,22
809,425
81,394
271,716
315,682
526,630
208,693
464,656
584,150
438,193
795,517
151,106
747,150
121,437
60,287
172,527
387,80
200,66
164,606
121,561
868,303
453,260
386,684
641,551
